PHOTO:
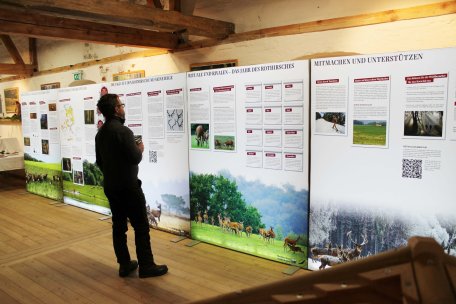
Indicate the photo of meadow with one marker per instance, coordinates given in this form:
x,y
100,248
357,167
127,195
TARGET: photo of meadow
x,y
369,132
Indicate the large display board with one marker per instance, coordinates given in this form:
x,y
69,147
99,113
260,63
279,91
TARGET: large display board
x,y
248,146
40,130
155,110
79,122
383,153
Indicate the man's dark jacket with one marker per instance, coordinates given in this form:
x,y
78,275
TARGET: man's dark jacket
x,y
117,155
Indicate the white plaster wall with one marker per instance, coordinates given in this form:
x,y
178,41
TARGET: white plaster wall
x,y
53,54
251,15
435,32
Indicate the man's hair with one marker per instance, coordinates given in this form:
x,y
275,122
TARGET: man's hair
x,y
107,105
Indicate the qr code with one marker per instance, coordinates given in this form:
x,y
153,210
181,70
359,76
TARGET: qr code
x,y
412,168
152,156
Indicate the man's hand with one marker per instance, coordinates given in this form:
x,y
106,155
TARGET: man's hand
x,y
141,146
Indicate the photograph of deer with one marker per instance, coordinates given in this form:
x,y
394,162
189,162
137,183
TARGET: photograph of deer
x,y
170,214
249,217
222,142
154,215
199,136
329,256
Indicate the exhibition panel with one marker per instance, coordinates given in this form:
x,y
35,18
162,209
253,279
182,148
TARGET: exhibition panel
x,y
79,120
383,142
155,110
228,159
249,159
40,129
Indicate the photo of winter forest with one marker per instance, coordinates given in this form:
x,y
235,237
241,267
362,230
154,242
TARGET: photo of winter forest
x,y
339,234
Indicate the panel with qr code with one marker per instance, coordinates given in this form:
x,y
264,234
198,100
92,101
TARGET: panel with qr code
x,y
153,157
412,168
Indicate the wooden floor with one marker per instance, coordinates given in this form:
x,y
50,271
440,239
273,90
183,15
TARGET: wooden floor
x,y
63,254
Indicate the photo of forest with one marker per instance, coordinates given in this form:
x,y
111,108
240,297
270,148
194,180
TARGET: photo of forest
x,y
250,216
376,230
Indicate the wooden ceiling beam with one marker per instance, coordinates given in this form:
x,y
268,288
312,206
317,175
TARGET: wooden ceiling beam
x,y
175,5
148,15
43,26
156,3
16,69
33,53
12,50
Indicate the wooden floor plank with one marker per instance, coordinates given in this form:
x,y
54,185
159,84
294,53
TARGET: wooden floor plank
x,y
7,299
23,289
44,277
65,255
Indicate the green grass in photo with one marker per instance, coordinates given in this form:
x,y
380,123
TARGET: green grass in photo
x,y
204,145
89,194
41,179
255,245
369,135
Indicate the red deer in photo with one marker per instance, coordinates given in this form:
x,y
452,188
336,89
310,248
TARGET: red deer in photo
x,y
220,220
157,212
294,248
329,260
206,138
201,135
236,227
270,235
328,250
355,252
240,228
263,233
153,215
217,144
200,218
289,241
229,144
248,231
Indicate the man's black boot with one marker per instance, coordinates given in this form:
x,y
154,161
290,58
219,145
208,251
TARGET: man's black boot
x,y
152,271
126,269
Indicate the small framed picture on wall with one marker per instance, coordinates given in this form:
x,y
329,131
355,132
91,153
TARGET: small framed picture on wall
x,y
213,65
128,75
11,98
49,86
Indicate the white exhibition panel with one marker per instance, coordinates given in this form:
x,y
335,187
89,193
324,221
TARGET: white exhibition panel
x,y
79,118
40,130
40,125
155,109
383,150
248,125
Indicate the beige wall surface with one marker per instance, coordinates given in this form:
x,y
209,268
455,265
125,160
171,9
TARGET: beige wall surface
x,y
248,15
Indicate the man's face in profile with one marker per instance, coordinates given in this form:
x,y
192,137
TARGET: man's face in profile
x,y
120,108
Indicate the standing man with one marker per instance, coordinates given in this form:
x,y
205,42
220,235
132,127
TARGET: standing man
x,y
118,157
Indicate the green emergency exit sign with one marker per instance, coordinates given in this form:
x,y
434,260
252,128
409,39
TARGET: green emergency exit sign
x,y
77,75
